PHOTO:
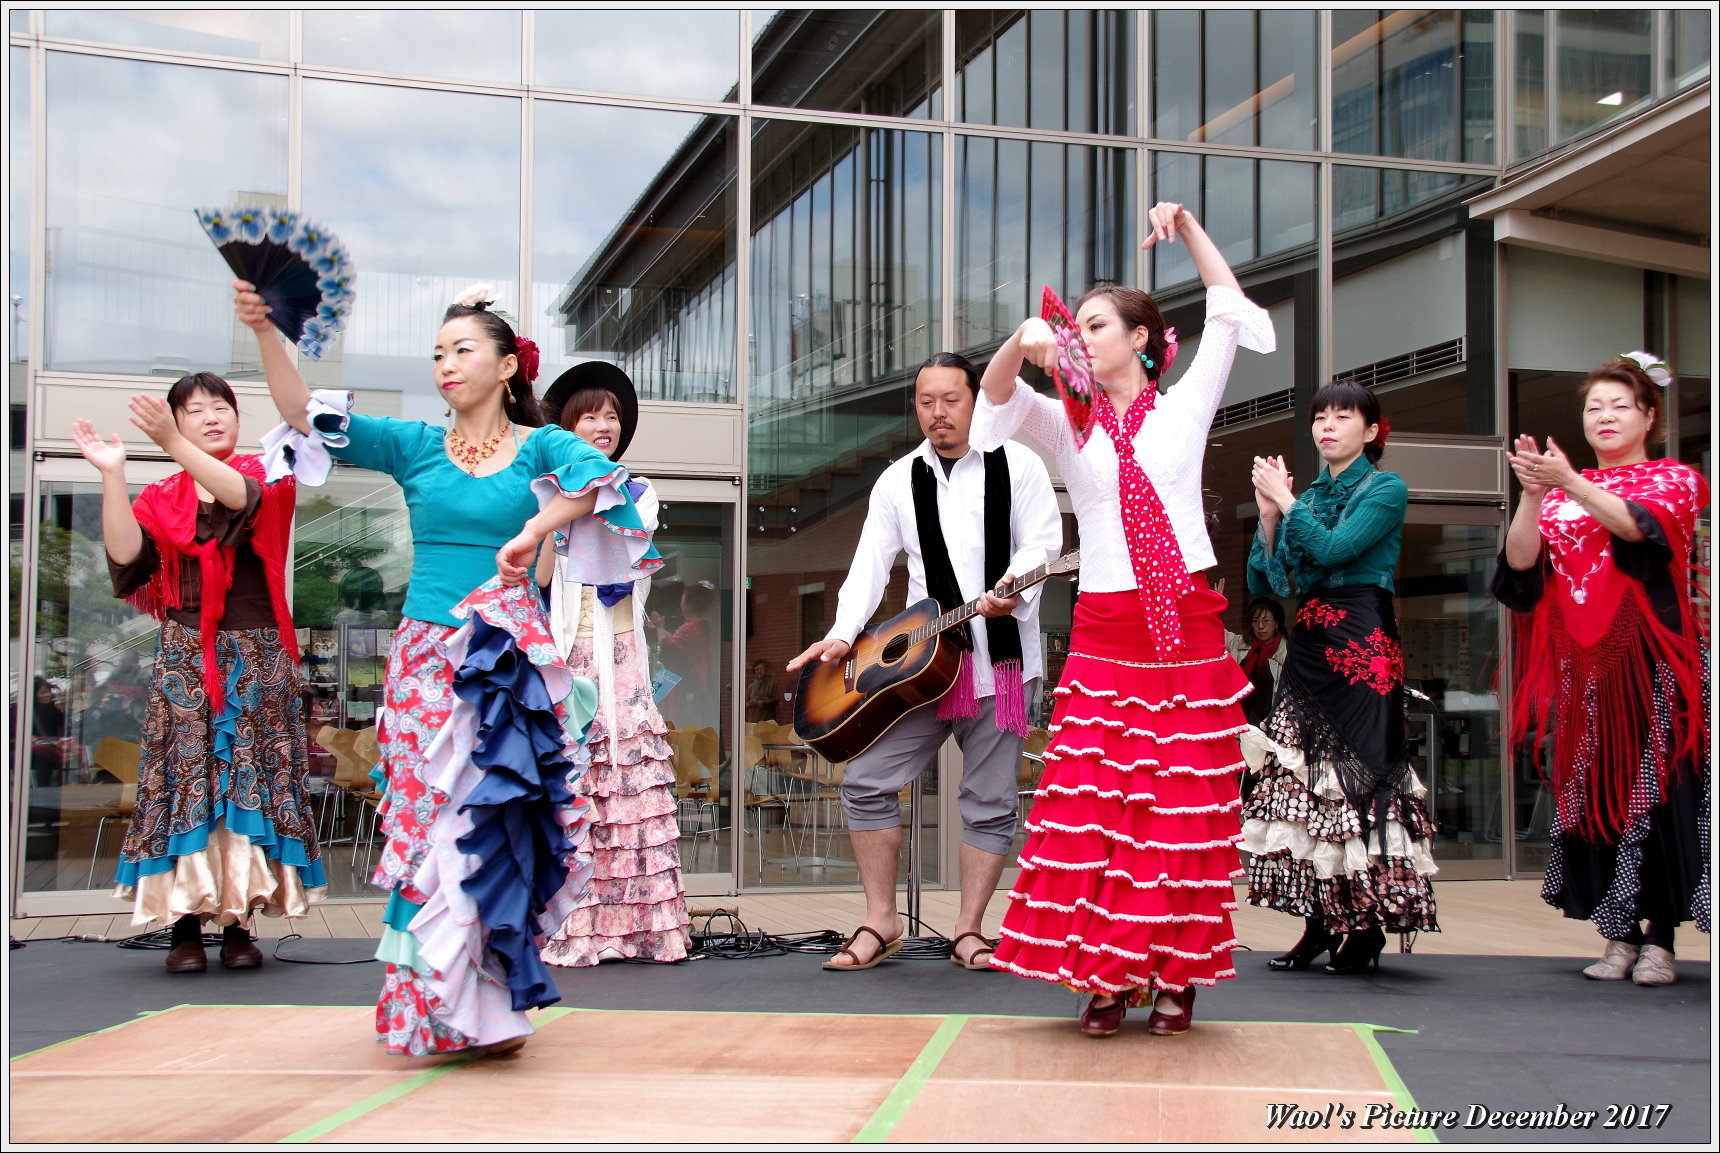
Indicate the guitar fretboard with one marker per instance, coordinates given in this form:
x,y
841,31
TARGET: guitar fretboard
x,y
962,612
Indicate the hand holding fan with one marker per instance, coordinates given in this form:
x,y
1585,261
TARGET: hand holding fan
x,y
1074,372
296,265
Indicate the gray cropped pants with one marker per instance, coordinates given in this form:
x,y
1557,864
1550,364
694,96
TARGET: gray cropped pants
x,y
991,761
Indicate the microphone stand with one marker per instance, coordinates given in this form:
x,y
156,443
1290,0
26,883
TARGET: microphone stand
x,y
932,942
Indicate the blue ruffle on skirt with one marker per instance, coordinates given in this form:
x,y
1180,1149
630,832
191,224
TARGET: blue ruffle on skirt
x,y
515,836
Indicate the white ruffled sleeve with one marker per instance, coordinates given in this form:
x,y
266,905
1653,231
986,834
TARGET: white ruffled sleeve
x,y
305,455
1232,320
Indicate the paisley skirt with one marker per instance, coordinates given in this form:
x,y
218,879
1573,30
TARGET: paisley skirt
x,y
222,826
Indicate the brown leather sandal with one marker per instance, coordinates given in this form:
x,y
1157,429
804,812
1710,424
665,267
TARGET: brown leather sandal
x,y
971,963
885,949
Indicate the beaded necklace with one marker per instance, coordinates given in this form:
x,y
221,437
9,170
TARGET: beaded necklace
x,y
469,456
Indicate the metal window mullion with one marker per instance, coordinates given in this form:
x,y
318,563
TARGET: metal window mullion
x,y
947,189
295,112
1324,209
1660,64
161,55
527,304
1550,73
1505,90
743,60
1143,74
34,343
1144,188
528,37
1502,425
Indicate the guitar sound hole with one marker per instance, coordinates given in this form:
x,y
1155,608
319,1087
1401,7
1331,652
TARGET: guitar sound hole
x,y
896,648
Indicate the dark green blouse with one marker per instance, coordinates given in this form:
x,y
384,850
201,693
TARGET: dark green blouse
x,y
1345,530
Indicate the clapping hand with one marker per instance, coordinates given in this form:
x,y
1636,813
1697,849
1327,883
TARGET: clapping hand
x,y
155,418
106,456
1538,471
1272,485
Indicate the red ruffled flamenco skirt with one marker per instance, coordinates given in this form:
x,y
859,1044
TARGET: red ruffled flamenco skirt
x,y
1127,875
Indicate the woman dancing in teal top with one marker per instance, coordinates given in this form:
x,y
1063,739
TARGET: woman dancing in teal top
x,y
1338,826
482,495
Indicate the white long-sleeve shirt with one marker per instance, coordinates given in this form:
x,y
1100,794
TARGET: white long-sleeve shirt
x,y
1171,445
1035,536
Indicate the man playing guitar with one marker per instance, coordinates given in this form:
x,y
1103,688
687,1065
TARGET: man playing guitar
x,y
968,522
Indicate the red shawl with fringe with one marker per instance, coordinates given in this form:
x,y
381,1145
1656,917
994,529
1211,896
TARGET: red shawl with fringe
x,y
1586,657
167,511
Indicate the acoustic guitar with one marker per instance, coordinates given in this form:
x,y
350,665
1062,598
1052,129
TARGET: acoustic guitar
x,y
894,667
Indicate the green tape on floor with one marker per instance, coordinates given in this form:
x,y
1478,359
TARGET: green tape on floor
x,y
1388,1073
375,1101
885,1117
394,1092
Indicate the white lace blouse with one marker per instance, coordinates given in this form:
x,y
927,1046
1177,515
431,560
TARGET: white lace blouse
x,y
1171,445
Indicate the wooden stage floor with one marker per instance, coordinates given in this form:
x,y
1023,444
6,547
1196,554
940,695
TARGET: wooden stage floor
x,y
679,1078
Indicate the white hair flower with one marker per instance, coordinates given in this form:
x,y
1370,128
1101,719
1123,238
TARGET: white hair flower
x,y
479,295
1652,366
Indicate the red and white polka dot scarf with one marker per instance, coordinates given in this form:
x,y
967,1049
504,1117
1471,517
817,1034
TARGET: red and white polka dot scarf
x,y
1160,574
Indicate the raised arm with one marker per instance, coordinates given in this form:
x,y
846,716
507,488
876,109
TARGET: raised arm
x,y
121,535
219,479
286,387
1031,341
1168,221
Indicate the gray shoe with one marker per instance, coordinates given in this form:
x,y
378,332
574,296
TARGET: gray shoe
x,y
1655,967
1615,964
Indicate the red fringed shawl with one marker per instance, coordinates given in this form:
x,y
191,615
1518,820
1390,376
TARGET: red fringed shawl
x,y
1585,658
167,511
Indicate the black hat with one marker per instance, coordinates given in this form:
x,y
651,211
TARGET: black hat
x,y
596,374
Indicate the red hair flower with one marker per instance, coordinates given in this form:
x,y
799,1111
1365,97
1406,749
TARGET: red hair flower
x,y
528,358
1385,431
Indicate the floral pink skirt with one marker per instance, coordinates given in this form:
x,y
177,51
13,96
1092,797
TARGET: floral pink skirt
x,y
635,906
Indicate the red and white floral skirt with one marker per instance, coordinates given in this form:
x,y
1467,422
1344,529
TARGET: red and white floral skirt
x,y
1126,878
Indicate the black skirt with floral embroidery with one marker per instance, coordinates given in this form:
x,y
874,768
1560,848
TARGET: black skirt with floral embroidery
x,y
1337,825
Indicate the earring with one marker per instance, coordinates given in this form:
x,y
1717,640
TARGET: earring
x,y
508,387
1146,361
447,412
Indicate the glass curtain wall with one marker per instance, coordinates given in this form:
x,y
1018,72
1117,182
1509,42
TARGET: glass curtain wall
x,y
780,225
20,202
1581,69
846,305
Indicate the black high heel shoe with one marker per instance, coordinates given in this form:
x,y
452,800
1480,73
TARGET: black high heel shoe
x,y
1358,951
1316,939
